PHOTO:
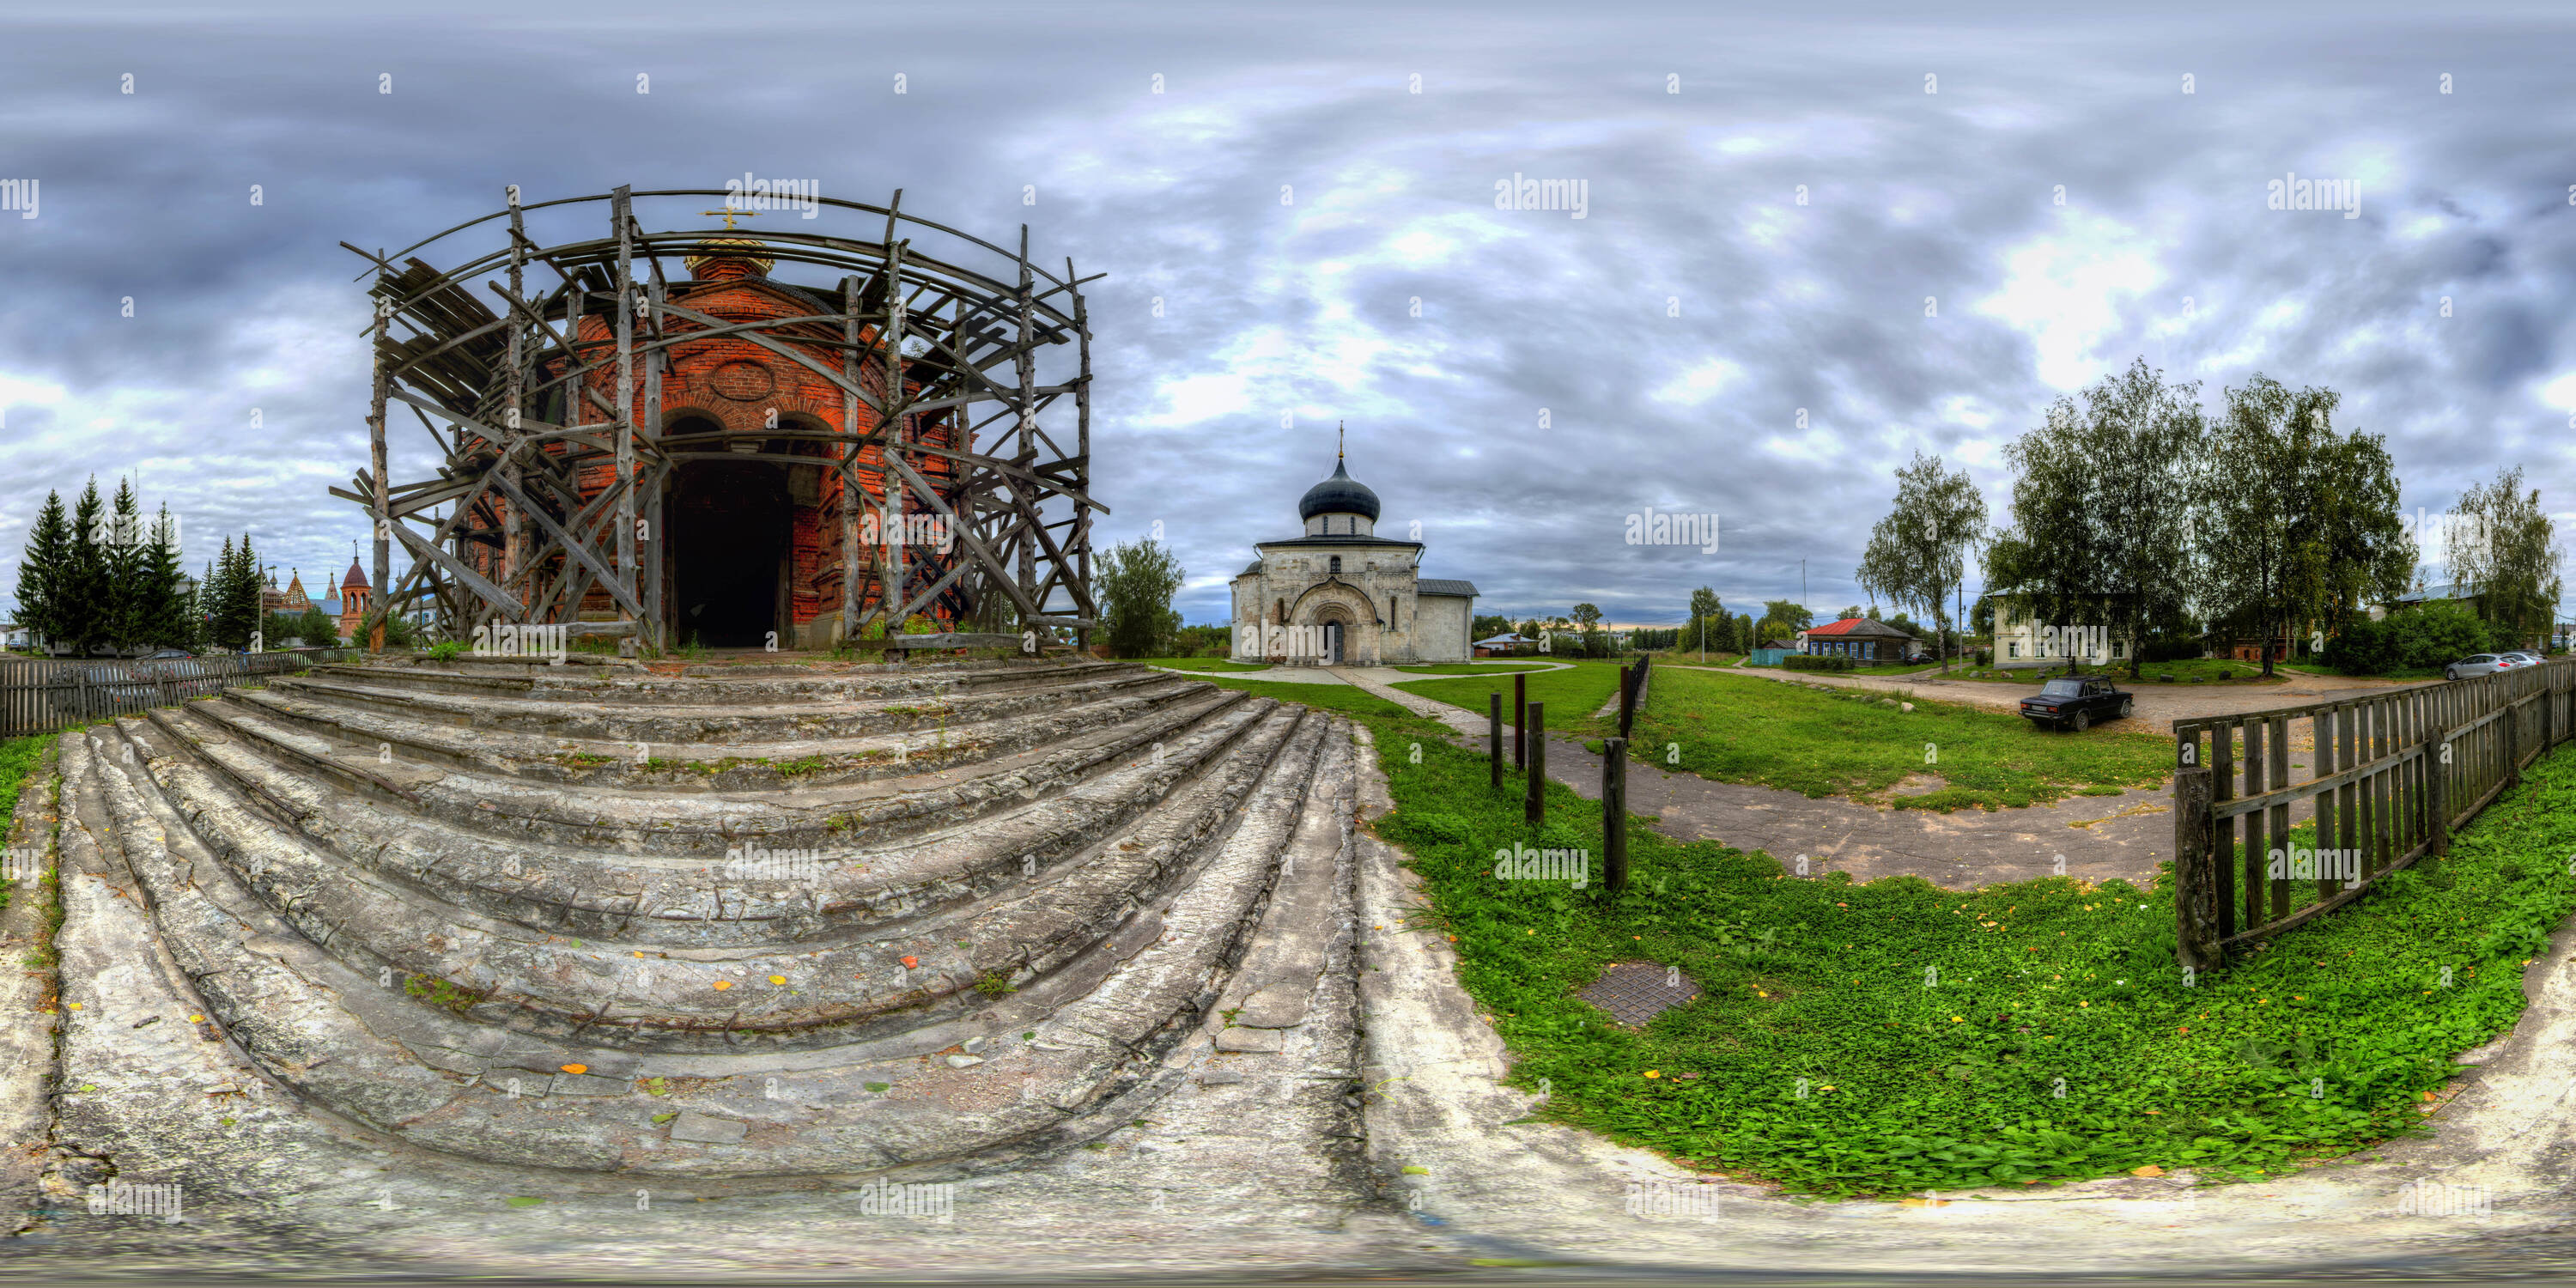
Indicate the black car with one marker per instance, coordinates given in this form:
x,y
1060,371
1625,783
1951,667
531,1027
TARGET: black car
x,y
2076,701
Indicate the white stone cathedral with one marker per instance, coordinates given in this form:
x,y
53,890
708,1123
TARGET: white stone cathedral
x,y
1343,595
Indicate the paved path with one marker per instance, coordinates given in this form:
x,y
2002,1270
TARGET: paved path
x,y
2099,837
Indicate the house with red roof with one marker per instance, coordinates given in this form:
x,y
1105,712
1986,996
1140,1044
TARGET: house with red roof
x,y
1862,639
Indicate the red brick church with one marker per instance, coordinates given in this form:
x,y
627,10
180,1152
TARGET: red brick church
x,y
753,547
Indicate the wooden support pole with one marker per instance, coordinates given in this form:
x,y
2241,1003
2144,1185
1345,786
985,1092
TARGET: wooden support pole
x,y
853,497
376,460
1614,814
1494,737
2197,895
621,210
1520,720
514,398
1627,699
1082,448
650,535
1535,811
1025,362
890,339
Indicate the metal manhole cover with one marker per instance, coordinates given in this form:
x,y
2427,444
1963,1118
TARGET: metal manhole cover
x,y
1635,992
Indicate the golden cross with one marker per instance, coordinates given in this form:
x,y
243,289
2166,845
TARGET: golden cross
x,y
729,215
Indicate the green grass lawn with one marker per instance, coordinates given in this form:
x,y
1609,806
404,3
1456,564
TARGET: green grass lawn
x,y
1202,664
18,759
1571,695
1825,742
1891,1037
1475,668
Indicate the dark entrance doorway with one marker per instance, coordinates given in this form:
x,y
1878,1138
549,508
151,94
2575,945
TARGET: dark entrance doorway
x,y
1333,642
729,530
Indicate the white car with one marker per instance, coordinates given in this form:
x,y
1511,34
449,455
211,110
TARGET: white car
x,y
2481,664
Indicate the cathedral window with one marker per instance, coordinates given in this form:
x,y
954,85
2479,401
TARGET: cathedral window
x,y
1337,564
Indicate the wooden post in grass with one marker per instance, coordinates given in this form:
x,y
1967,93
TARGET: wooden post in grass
x,y
1627,696
1535,812
2196,884
1614,814
1494,736
1520,720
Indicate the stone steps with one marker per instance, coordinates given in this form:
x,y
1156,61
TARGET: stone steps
x,y
812,715
694,826
1074,917
398,730
669,992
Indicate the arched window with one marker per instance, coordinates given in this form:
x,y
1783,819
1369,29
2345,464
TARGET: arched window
x,y
1337,564
1282,612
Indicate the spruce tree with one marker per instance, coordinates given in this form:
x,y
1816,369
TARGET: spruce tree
x,y
244,604
161,619
40,570
82,605
125,557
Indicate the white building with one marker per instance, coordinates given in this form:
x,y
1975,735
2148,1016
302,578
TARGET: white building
x,y
2021,640
1342,594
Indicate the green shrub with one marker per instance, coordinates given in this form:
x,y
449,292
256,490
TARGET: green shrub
x,y
1815,662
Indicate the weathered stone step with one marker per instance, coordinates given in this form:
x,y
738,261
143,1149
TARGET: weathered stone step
x,y
623,991
411,1069
575,819
668,767
747,718
501,678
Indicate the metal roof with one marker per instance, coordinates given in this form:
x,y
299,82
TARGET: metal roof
x,y
1445,586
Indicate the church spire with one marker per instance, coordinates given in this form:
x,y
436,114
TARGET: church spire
x,y
1337,439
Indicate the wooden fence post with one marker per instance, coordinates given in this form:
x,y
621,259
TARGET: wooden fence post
x,y
2196,886
1534,812
1520,720
2437,790
1614,814
1494,736
1627,699
2512,742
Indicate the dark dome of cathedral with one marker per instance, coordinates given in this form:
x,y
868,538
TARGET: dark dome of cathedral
x,y
1340,494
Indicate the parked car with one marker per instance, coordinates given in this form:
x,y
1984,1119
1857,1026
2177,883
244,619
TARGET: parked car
x,y
2524,657
2076,701
2480,664
167,655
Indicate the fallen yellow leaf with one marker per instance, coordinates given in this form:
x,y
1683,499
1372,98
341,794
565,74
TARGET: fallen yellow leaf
x,y
723,984
576,1068
2148,1170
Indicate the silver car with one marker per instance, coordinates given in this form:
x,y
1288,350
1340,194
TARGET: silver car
x,y
2481,664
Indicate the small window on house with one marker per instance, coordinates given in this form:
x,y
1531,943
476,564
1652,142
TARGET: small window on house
x,y
2117,646
2013,649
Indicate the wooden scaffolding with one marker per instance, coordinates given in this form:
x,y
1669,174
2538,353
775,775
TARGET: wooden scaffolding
x,y
504,533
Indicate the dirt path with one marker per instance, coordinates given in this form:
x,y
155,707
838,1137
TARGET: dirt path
x,y
2097,837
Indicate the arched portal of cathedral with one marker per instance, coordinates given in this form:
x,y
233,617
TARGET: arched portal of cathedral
x,y
1363,594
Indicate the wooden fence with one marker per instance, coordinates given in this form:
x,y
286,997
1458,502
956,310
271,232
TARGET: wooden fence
x,y
2389,775
41,695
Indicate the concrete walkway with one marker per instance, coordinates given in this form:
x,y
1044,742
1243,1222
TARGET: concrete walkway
x,y
2096,837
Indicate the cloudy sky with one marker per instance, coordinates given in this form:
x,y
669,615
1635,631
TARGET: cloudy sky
x,y
1910,225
